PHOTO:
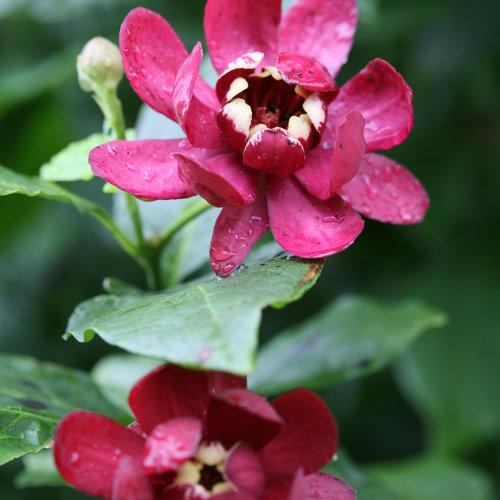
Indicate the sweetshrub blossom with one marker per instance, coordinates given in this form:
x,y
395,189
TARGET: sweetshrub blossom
x,y
276,144
203,435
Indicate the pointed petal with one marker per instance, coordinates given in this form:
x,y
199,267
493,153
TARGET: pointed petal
x,y
307,72
172,392
308,439
385,191
219,177
323,29
244,470
130,482
198,121
239,26
170,444
326,487
307,227
238,415
384,99
274,151
236,231
326,171
145,169
88,448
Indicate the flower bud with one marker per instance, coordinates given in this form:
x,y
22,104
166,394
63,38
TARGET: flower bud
x,y
99,65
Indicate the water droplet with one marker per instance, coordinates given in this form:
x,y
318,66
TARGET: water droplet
x,y
74,457
112,150
220,252
365,209
229,268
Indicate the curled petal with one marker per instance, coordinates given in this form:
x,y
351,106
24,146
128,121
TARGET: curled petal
x,y
307,72
145,169
323,29
308,439
152,54
130,482
88,449
307,227
198,121
172,392
236,230
234,121
170,444
384,99
238,415
326,171
385,191
244,470
229,84
239,27
326,487
219,178
274,151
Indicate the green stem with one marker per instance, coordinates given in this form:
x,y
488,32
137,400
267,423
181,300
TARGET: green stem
x,y
135,216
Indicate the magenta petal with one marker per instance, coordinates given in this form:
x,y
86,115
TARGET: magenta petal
x,y
172,392
198,121
220,178
308,439
323,29
145,169
239,27
384,99
326,487
307,227
130,482
238,415
326,171
244,470
88,449
306,72
236,230
170,444
274,151
385,191
152,54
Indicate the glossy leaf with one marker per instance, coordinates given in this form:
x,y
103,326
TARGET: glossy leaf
x,y
34,396
212,324
352,337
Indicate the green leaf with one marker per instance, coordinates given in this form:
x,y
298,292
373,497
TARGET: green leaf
x,y
211,325
352,337
39,470
433,479
34,396
116,374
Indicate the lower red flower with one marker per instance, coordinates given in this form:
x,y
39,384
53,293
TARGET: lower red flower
x,y
203,435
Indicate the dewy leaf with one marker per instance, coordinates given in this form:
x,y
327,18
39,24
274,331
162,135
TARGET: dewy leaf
x,y
116,374
71,164
33,398
352,337
211,325
39,470
433,479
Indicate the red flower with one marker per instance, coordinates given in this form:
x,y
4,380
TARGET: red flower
x,y
201,435
276,144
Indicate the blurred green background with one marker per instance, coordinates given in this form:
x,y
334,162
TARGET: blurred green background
x,y
444,396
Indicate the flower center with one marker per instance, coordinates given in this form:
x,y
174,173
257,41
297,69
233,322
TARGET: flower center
x,y
205,472
263,100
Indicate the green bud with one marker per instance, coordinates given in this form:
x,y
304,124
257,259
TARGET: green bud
x,y
99,66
